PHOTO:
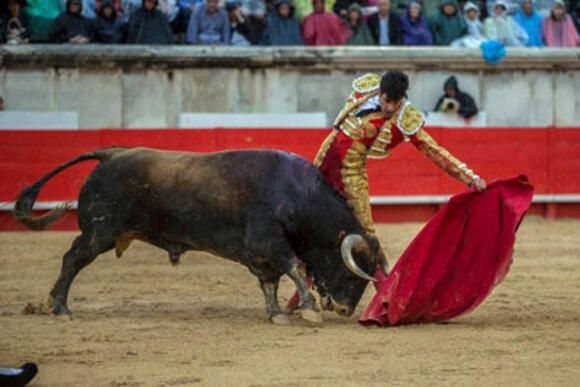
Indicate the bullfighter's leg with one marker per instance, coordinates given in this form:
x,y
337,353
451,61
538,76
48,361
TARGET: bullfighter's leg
x,y
83,251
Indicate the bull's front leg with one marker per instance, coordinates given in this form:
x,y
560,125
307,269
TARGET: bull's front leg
x,y
270,289
308,308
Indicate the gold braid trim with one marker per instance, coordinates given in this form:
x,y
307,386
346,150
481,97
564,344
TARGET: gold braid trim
x,y
442,158
410,120
324,148
368,85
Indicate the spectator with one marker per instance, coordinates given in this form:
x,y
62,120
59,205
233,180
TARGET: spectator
x,y
531,21
447,23
41,15
415,27
456,101
502,28
303,8
474,36
240,28
108,26
15,23
385,26
209,25
88,8
558,28
322,28
71,26
118,6
361,35
282,27
148,25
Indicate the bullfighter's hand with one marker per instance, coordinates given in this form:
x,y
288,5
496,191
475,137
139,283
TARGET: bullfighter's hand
x,y
479,184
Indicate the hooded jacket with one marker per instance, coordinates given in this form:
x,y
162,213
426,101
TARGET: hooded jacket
x,y
532,24
467,106
361,35
68,25
447,28
415,32
108,30
149,27
325,29
282,31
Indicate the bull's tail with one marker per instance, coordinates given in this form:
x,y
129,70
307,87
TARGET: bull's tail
x,y
26,198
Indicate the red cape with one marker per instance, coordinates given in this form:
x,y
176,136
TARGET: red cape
x,y
455,261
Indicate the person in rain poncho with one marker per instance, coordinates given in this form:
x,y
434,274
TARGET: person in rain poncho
x,y
474,35
502,28
282,27
447,23
531,21
322,28
455,100
361,35
558,28
415,27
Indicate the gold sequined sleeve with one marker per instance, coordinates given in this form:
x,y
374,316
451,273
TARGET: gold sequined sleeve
x,y
442,158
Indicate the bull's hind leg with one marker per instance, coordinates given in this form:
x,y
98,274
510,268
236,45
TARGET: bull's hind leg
x,y
83,251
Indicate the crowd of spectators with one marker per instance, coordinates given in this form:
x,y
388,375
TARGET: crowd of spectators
x,y
531,23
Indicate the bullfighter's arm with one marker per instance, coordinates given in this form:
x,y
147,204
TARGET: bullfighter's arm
x,y
442,158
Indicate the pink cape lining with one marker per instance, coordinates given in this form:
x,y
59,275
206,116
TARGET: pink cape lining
x,y
454,262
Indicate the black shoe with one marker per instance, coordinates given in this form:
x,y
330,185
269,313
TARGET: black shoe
x,y
17,377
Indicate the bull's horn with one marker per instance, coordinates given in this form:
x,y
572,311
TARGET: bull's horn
x,y
350,241
383,263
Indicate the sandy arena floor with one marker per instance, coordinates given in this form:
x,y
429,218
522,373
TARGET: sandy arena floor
x,y
141,322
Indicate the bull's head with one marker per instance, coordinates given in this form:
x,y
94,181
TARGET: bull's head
x,y
342,290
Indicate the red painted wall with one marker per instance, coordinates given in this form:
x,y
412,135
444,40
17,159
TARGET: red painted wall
x,y
550,157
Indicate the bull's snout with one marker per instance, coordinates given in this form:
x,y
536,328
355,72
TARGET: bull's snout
x,y
342,310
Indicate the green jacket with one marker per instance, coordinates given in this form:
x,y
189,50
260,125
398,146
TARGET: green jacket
x,y
361,34
41,15
444,28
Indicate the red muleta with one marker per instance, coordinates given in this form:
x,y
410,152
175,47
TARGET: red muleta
x,y
454,262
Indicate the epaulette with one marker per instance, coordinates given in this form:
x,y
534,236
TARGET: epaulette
x,y
410,119
366,83
364,88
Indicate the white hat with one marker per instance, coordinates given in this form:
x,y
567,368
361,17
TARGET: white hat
x,y
500,2
469,6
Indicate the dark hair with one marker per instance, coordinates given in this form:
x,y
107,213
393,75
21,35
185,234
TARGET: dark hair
x,y
395,84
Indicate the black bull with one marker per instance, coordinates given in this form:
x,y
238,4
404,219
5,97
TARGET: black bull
x,y
271,211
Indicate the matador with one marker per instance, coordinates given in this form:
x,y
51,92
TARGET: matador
x,y
376,118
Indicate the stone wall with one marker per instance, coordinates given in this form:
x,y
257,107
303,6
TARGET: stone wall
x,y
143,86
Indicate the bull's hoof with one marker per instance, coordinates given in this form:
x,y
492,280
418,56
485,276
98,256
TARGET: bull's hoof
x,y
59,309
311,316
281,319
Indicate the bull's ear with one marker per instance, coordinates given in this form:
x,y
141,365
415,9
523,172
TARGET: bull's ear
x,y
341,235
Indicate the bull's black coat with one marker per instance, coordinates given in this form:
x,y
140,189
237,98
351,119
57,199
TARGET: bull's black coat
x,y
272,211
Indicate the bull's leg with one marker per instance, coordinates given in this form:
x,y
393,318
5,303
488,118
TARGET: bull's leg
x,y
270,289
83,251
308,308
